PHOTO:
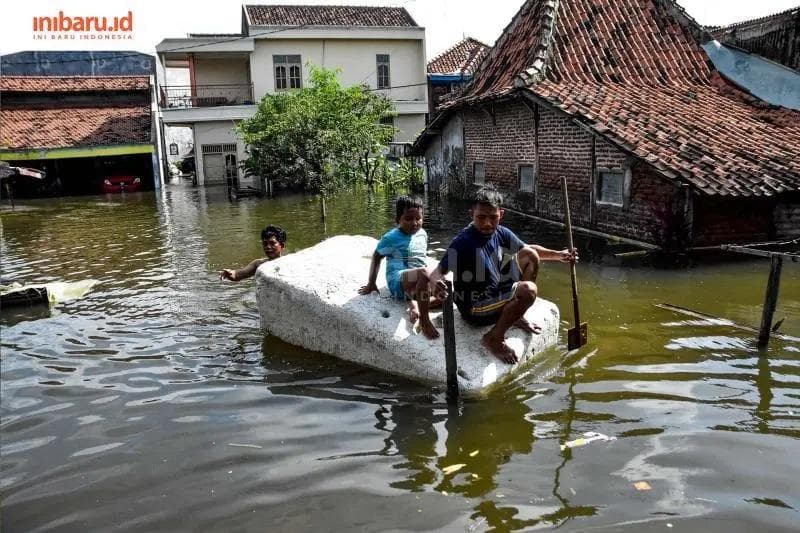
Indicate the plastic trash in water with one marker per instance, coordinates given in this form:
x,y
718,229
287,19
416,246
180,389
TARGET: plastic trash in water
x,y
588,437
452,468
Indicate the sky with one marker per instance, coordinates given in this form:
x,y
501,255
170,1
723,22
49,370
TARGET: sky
x,y
445,21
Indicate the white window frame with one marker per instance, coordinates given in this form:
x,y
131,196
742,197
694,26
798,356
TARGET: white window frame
x,y
288,71
476,179
382,62
521,166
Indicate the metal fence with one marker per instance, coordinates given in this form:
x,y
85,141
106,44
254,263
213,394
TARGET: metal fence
x,y
182,96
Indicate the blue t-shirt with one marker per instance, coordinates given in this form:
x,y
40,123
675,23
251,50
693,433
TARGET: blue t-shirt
x,y
402,250
479,263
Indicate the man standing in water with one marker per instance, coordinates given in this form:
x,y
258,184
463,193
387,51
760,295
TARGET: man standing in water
x,y
494,273
273,240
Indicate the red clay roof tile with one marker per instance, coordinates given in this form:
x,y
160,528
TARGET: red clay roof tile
x,y
285,15
25,129
461,58
49,84
633,70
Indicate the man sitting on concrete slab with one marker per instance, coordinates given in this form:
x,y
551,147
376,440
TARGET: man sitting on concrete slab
x,y
273,241
494,273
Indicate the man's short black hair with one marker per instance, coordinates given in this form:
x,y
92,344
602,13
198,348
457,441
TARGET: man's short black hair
x,y
406,202
274,231
489,196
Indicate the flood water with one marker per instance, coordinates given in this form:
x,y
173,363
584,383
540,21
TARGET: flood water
x,y
156,403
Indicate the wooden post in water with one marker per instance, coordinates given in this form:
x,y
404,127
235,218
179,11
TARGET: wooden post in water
x,y
770,300
451,362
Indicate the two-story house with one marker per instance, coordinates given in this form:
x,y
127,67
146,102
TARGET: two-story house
x,y
380,47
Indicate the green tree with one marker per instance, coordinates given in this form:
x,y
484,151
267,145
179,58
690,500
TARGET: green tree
x,y
319,138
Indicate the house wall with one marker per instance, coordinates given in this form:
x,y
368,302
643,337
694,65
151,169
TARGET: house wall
x,y
222,132
512,133
219,71
738,220
444,159
356,59
787,219
408,127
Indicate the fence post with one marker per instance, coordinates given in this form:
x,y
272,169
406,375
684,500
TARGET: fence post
x,y
451,362
770,299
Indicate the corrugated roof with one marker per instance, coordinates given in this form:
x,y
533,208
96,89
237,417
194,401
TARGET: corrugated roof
x,y
71,127
461,58
70,84
317,15
633,71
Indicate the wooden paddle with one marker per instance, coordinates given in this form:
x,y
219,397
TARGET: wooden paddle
x,y
577,336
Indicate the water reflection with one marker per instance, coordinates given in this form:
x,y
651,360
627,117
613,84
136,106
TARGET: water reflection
x,y
164,358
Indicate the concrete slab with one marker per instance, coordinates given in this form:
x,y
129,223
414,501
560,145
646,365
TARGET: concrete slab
x,y
310,299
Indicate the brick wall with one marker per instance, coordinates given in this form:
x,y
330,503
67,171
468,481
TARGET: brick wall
x,y
509,138
721,221
787,218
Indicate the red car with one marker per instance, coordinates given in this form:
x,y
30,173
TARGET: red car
x,y
121,184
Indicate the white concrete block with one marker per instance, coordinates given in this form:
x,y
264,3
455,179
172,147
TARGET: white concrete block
x,y
310,299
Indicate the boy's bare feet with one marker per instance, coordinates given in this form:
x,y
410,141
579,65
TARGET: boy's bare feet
x,y
413,312
526,325
428,329
498,348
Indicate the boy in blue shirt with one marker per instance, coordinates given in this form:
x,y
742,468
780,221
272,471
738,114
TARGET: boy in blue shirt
x,y
405,248
494,273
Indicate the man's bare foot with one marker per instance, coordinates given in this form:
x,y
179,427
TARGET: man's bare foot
x,y
428,329
499,348
413,312
526,325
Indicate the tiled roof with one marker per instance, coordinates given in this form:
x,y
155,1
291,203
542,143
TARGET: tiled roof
x,y
633,71
788,14
461,58
68,84
285,15
73,127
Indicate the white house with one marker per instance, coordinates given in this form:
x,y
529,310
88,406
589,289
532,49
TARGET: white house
x,y
228,74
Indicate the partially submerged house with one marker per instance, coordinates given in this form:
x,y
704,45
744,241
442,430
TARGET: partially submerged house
x,y
380,47
79,116
452,69
620,98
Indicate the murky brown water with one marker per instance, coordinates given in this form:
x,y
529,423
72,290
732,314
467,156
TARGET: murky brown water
x,y
155,403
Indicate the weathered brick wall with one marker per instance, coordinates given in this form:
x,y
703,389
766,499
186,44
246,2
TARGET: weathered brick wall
x,y
739,220
564,149
646,216
501,142
654,211
787,218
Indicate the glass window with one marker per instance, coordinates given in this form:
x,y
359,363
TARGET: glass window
x,y
526,178
383,71
288,72
479,172
610,188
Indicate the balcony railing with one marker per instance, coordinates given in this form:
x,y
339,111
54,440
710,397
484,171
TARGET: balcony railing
x,y
183,96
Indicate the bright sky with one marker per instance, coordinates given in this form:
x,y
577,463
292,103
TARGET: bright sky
x,y
446,21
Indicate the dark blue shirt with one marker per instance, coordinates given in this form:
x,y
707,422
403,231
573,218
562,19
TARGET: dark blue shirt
x,y
479,263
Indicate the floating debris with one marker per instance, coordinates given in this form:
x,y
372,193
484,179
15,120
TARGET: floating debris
x,y
642,485
588,437
453,468
244,445
473,454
